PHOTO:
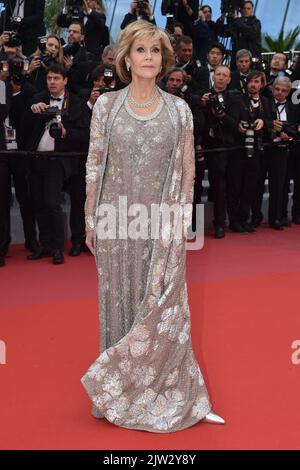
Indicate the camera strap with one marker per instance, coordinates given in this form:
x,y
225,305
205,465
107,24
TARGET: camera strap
x,y
280,111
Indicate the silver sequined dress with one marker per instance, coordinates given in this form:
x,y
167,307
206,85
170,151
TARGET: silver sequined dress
x,y
146,376
139,153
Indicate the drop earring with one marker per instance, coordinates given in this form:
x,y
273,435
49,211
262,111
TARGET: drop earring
x,y
127,66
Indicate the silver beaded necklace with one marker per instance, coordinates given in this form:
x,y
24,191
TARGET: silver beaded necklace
x,y
146,105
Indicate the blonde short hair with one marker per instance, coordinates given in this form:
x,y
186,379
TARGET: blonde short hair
x,y
142,29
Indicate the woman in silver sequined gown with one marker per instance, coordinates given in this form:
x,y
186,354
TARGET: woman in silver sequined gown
x,y
146,376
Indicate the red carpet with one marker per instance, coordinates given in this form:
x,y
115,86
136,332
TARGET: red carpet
x,y
244,298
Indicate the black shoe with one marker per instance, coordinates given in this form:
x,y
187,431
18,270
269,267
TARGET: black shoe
x,y
285,222
57,257
39,253
237,228
32,246
2,261
219,232
248,227
256,221
276,224
75,250
296,220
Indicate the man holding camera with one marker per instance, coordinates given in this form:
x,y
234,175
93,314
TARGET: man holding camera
x,y
25,17
96,32
245,167
244,30
239,76
139,9
284,130
185,11
59,122
221,108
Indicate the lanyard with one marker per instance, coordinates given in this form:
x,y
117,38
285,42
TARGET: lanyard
x,y
279,112
19,3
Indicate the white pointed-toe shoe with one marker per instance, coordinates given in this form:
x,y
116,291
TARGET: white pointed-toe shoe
x,y
213,418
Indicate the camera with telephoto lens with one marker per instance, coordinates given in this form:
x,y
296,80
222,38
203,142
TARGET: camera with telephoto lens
x,y
16,68
52,114
249,138
75,7
217,103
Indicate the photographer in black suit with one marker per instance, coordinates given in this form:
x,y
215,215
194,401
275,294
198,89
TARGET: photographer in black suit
x,y
254,126
239,76
244,30
204,33
93,18
285,126
221,110
49,173
76,56
185,11
29,21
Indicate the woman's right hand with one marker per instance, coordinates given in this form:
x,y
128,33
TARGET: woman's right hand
x,y
89,241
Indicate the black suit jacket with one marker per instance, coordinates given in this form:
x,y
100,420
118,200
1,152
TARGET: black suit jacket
x,y
76,121
32,23
168,6
264,113
291,128
201,80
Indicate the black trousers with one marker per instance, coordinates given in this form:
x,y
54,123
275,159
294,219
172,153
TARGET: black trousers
x,y
4,206
274,163
242,179
47,184
76,189
16,169
277,170
217,167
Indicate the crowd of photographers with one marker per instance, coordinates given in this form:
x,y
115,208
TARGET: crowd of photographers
x,y
246,116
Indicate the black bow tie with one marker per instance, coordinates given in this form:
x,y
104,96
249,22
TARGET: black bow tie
x,y
55,99
280,104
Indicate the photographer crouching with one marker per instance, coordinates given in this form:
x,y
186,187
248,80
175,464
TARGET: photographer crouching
x,y
221,110
59,121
